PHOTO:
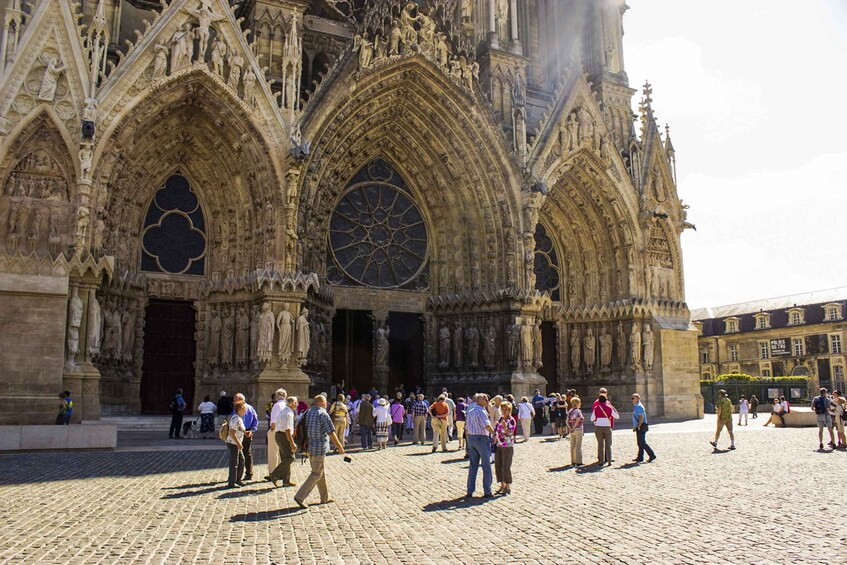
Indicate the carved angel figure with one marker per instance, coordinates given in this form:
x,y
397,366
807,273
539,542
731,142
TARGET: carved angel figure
x,y
365,47
50,79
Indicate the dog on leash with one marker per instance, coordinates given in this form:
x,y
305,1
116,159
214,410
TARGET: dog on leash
x,y
189,429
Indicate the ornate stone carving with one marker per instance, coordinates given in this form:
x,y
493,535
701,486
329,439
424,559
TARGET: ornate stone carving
x,y
228,336
215,330
635,345
95,322
285,327
605,350
443,346
160,61
266,333
575,352
128,318
620,341
590,346
514,339
242,336
472,340
50,79
302,336
381,348
648,345
526,344
182,51
537,346
489,345
457,345
205,17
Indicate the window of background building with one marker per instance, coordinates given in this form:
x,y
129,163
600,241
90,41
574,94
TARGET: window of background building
x,y
762,322
835,344
705,356
766,373
796,319
797,347
731,326
764,350
707,376
832,313
838,375
733,352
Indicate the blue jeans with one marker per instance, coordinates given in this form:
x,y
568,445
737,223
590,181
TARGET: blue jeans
x,y
641,439
479,449
367,439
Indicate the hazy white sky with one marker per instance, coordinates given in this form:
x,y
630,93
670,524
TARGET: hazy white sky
x,y
753,91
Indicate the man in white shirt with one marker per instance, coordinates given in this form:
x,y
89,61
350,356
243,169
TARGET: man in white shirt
x,y
451,416
284,436
273,451
526,413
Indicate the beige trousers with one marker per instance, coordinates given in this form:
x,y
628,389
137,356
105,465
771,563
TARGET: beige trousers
x,y
439,431
576,447
316,477
273,451
420,429
526,426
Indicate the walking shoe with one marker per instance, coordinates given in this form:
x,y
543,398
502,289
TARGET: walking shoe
x,y
289,484
713,444
433,449
248,477
275,482
651,459
820,446
731,447
487,495
328,501
301,503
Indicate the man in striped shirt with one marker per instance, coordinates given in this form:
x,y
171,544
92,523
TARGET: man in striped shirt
x,y
419,410
479,430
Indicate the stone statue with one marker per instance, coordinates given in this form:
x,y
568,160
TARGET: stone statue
x,y
54,238
365,47
99,230
86,156
236,61
283,325
407,22
457,346
647,343
183,47
242,335
575,352
467,11
395,38
160,61
590,346
95,323
526,344
73,345
586,125
488,346
266,333
379,48
50,78
215,327
381,350
514,338
537,345
302,342
605,349
426,35
502,17
219,50
108,329
472,339
635,345
442,50
570,140
227,337
75,310
128,337
205,16
255,314
443,346
250,87
83,222
621,345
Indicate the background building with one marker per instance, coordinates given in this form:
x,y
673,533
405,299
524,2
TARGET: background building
x,y
800,335
218,195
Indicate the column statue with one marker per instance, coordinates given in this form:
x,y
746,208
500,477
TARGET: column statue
x,y
50,78
590,346
538,345
443,346
526,344
266,333
488,345
283,325
635,345
605,350
457,346
621,345
95,323
215,327
227,335
242,336
381,349
472,339
575,352
303,337
514,335
648,344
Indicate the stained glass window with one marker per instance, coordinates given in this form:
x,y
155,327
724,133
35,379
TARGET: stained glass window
x,y
174,237
547,273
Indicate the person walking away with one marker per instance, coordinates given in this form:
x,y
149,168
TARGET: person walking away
x,y
479,431
504,440
318,426
461,408
284,438
419,410
366,422
338,412
743,410
382,423
177,405
821,405
754,406
451,415
526,413
273,447
410,417
604,415
562,409
398,414
724,409
538,405
234,445
439,411
61,417
639,426
207,417
251,425
839,403
575,429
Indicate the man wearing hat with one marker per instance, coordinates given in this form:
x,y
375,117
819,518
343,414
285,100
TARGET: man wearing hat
x,y
724,408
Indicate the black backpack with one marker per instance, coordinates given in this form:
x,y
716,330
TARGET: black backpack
x,y
172,405
301,438
818,405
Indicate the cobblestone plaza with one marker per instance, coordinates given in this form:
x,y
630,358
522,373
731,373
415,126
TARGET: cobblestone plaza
x,y
159,501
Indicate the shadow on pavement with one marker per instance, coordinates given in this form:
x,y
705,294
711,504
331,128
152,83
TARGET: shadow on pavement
x,y
242,492
195,485
628,465
190,493
593,468
455,503
269,515
448,461
559,469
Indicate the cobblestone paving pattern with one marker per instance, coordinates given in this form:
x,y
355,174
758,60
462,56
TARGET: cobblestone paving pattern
x,y
404,506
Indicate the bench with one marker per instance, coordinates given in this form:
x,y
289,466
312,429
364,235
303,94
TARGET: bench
x,y
800,417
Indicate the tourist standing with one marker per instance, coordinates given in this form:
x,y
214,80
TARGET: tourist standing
x,y
440,412
526,413
538,405
284,438
366,422
176,407
318,426
251,425
419,410
207,417
63,410
398,414
451,416
69,403
575,428
479,431
339,414
743,410
461,407
639,426
382,422
724,409
273,450
410,417
234,445
820,406
754,406
840,405
504,440
604,415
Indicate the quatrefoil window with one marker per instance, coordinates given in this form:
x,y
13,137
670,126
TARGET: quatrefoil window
x,y
547,274
174,237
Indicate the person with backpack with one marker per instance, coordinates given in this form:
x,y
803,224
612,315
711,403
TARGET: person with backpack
x,y
234,443
176,407
317,426
61,417
821,405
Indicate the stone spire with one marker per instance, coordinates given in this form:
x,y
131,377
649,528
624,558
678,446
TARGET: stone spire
x,y
12,24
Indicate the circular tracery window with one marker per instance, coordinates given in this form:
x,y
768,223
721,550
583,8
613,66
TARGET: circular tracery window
x,y
377,237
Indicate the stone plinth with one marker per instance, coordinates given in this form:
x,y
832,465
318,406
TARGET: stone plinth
x,y
89,435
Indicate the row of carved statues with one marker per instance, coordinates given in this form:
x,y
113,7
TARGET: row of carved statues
x,y
463,345
635,352
111,328
32,225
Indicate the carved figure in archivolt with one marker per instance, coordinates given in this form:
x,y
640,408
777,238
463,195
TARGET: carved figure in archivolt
x,y
621,344
128,332
365,47
526,343
443,346
302,336
215,329
75,308
227,338
219,50
266,333
242,336
489,345
284,325
635,344
160,61
457,345
95,323
381,350
183,47
514,339
605,349
472,340
111,323
250,86
537,345
647,340
590,346
255,314
50,79
575,351
236,61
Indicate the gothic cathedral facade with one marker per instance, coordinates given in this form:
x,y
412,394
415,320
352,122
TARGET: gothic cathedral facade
x,y
220,195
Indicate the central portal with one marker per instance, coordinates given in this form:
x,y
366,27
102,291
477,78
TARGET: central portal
x,y
169,351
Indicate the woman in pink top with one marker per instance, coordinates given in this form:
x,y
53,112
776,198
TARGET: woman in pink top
x,y
398,411
603,415
504,439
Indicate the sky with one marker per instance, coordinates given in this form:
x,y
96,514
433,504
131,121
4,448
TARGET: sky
x,y
752,92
